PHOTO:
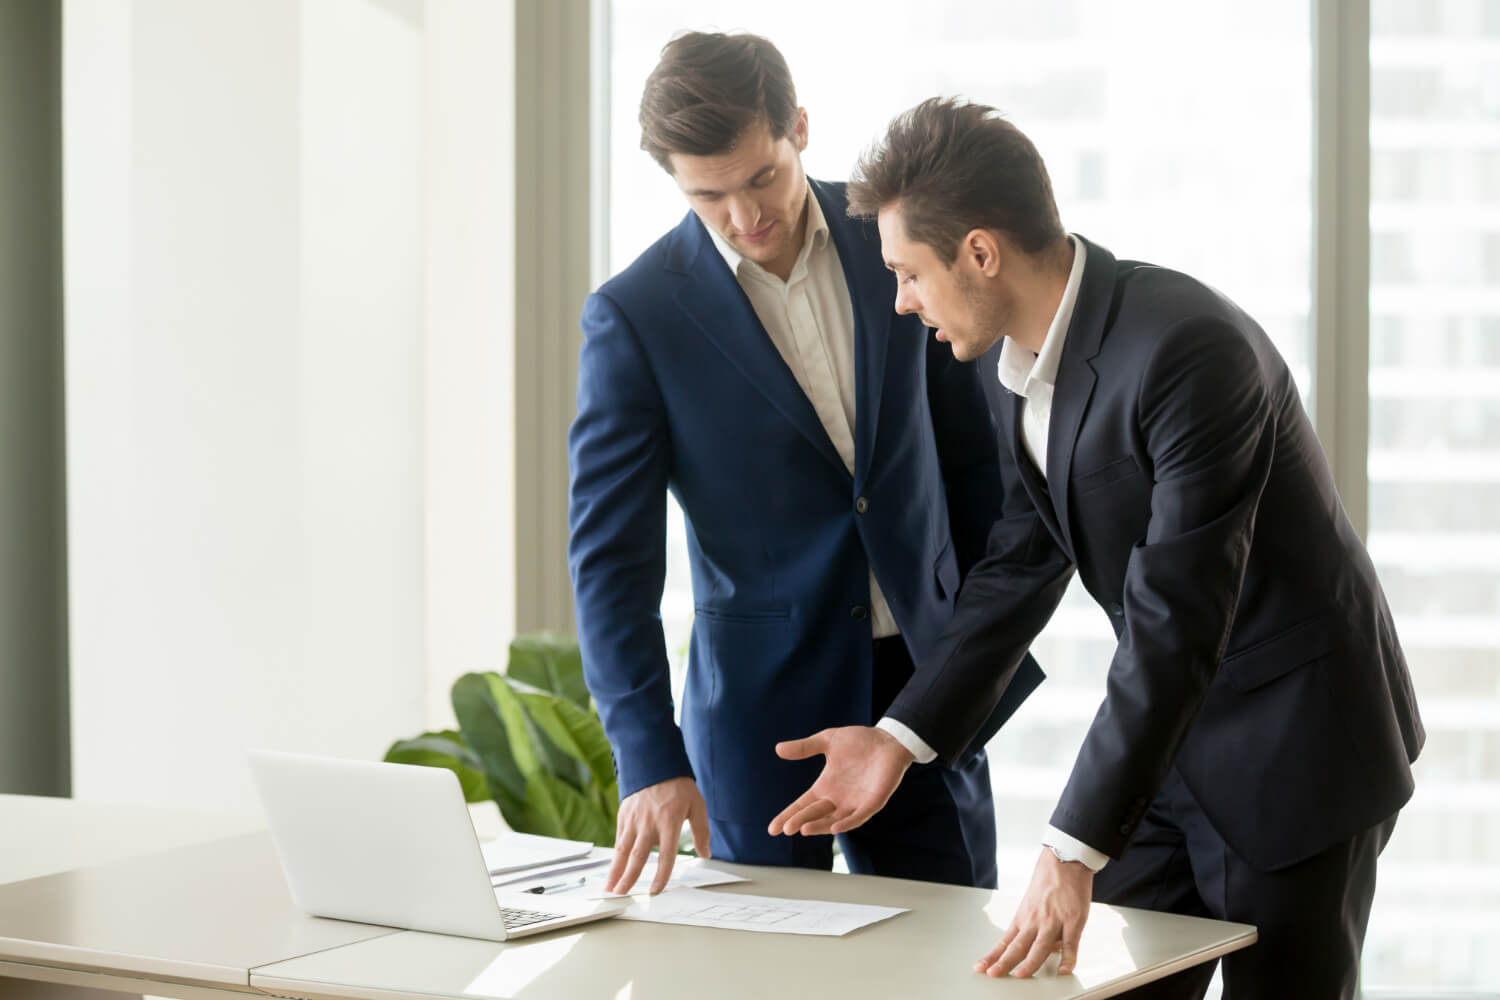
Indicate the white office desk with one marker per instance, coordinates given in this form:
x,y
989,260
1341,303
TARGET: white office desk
x,y
213,921
927,952
142,900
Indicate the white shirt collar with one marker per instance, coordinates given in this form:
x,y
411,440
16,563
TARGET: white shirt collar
x,y
816,236
1021,371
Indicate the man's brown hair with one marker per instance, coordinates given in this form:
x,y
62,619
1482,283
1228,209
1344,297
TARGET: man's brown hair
x,y
954,167
708,88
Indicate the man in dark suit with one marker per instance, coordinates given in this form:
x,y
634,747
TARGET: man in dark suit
x,y
836,471
1255,738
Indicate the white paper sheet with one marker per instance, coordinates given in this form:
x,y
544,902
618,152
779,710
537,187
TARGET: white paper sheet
x,y
687,872
517,881
512,852
732,911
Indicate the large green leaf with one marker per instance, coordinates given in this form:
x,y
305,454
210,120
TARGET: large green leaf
x,y
560,811
444,748
542,753
576,732
551,662
484,730
563,763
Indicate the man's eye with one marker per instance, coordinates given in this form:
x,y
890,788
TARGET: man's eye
x,y
762,180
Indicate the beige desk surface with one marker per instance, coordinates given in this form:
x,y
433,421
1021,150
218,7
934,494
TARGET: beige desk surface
x,y
43,835
927,952
203,914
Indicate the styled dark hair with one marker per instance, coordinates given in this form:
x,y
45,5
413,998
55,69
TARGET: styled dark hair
x,y
954,167
709,88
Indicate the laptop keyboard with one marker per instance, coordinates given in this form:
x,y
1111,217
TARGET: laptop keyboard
x,y
515,917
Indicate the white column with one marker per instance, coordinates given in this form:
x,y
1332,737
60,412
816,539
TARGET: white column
x,y
246,386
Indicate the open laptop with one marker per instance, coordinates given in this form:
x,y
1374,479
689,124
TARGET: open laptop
x,y
393,844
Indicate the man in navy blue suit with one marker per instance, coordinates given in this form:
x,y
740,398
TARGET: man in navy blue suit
x,y
837,469
1255,738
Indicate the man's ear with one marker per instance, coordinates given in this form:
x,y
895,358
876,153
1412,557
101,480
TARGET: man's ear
x,y
799,130
982,252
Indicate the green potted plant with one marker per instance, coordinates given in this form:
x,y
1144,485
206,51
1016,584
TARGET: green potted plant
x,y
530,739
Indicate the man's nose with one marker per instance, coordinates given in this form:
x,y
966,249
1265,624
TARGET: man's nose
x,y
744,213
906,300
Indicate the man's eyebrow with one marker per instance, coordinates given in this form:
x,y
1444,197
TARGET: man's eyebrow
x,y
701,192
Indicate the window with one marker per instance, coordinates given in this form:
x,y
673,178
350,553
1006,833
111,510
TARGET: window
x,y
1212,178
1179,133
1434,474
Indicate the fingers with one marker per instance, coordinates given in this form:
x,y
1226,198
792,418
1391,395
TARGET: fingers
x,y
779,824
624,840
698,821
810,816
851,819
801,749
635,861
1024,950
665,857
830,821
993,955
1014,952
1071,936
1047,941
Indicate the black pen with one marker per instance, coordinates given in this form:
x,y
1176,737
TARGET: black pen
x,y
554,886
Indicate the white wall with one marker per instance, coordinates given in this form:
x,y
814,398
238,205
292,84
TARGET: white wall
x,y
471,452
268,480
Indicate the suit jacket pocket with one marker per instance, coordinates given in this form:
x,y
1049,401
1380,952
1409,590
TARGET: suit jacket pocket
x,y
744,616
1264,661
1110,472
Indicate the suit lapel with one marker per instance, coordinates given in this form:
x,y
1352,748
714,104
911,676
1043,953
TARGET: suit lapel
x,y
711,297
1076,376
872,290
1031,478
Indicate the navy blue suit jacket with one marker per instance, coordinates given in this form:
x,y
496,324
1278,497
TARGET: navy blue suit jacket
x,y
1256,650
680,388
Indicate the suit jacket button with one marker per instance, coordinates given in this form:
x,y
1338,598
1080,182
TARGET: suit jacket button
x,y
1124,827
859,612
1116,610
861,505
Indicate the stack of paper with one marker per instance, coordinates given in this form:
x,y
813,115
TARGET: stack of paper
x,y
514,852
584,876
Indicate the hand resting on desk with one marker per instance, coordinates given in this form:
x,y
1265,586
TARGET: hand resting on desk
x,y
653,817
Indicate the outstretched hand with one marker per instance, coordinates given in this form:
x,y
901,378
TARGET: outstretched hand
x,y
863,766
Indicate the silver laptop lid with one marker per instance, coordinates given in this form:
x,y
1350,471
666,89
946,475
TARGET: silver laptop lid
x,y
378,843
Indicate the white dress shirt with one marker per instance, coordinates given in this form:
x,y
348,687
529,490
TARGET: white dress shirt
x,y
1032,377
811,321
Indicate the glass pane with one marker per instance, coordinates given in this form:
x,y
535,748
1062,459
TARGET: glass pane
x,y
1435,473
1167,138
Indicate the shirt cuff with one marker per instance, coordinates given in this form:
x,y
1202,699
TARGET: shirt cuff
x,y
914,743
1070,848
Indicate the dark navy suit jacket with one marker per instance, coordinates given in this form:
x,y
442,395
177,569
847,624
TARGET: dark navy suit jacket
x,y
1256,649
680,388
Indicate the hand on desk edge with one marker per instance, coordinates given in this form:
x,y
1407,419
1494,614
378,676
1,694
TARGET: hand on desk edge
x,y
863,766
1049,918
